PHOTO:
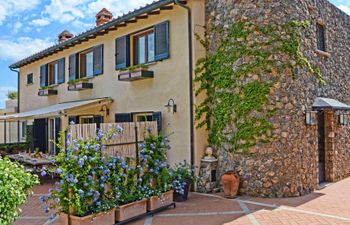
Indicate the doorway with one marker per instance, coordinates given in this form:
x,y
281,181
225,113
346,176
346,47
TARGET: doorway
x,y
321,147
40,136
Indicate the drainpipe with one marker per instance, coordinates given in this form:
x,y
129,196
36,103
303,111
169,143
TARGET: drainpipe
x,y
18,105
190,56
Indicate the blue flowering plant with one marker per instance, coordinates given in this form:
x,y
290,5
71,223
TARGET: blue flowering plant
x,y
85,173
153,156
182,174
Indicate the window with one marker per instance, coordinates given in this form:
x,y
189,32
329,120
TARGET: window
x,y
52,73
149,46
30,78
143,117
140,117
144,48
88,63
321,39
24,129
86,120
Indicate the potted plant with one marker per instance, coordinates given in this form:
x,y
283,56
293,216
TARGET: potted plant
x,y
83,195
47,90
14,188
135,73
126,185
230,183
181,179
153,156
79,84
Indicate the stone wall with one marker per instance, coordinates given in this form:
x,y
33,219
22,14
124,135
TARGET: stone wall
x,y
289,166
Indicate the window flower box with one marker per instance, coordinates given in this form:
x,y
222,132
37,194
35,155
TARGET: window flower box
x,y
83,85
47,91
105,218
131,210
155,202
135,74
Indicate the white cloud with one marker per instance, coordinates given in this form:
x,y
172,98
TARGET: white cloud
x,y
22,47
41,22
345,8
3,93
13,7
17,26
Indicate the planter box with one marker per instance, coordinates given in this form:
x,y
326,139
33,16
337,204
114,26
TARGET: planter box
x,y
105,218
47,92
158,202
130,210
80,86
137,74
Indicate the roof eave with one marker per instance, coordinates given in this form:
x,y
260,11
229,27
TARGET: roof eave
x,y
124,18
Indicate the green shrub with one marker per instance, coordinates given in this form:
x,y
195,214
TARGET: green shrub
x,y
15,184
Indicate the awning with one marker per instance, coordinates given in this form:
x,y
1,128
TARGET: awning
x,y
56,110
329,103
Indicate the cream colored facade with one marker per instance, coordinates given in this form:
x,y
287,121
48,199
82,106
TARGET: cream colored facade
x,y
11,131
171,80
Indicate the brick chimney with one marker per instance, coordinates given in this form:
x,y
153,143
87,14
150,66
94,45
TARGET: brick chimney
x,y
104,16
64,36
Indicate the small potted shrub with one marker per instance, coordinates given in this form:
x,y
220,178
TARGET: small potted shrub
x,y
83,195
156,177
15,184
181,179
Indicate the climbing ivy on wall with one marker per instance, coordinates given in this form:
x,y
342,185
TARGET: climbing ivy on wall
x,y
238,77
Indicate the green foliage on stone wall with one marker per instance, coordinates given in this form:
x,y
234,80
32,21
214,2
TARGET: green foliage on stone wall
x,y
237,79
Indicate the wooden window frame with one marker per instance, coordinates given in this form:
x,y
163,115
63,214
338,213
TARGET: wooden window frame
x,y
135,38
82,63
142,114
81,118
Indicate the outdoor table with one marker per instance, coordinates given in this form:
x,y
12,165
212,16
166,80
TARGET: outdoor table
x,y
34,164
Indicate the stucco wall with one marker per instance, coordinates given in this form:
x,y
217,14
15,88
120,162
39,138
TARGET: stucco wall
x,y
288,167
170,79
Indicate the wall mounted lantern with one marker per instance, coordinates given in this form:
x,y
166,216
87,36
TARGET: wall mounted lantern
x,y
343,119
171,105
310,117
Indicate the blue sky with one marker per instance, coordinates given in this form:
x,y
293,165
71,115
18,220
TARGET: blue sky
x,y
27,26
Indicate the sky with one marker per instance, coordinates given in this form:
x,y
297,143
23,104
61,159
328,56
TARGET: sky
x,y
28,26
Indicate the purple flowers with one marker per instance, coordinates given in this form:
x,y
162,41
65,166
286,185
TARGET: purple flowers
x,y
81,192
59,170
43,173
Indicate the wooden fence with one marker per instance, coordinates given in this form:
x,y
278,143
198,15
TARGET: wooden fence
x,y
124,144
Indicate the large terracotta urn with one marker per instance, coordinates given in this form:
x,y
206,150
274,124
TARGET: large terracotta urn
x,y
230,183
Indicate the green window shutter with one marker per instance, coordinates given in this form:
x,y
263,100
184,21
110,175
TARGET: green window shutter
x,y
73,66
98,60
61,71
161,39
43,75
123,117
122,52
157,116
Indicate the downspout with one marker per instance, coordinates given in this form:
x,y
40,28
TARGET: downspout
x,y
18,97
190,55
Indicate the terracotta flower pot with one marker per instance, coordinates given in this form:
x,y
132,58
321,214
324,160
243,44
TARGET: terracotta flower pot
x,y
158,202
130,210
230,183
105,218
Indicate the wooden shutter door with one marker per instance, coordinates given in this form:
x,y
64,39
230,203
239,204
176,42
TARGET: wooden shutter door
x,y
73,67
157,116
43,76
123,117
98,60
122,52
61,72
161,39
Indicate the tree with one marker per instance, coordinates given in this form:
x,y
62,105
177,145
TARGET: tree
x,y
13,95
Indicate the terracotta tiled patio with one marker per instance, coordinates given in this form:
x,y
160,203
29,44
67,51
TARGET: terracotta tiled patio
x,y
330,205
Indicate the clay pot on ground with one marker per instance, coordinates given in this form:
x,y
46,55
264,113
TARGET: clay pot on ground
x,y
178,197
230,183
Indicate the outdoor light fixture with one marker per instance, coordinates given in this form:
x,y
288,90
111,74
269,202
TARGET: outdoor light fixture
x,y
310,118
343,119
104,109
171,104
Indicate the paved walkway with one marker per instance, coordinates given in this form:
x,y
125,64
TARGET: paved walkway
x,y
330,205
